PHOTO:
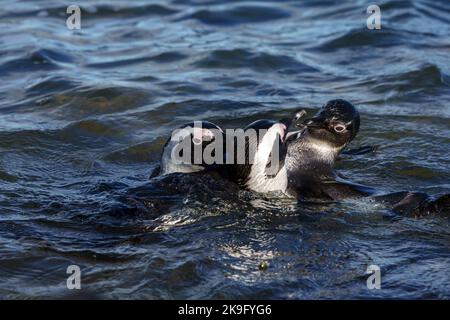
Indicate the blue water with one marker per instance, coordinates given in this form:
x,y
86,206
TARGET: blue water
x,y
84,115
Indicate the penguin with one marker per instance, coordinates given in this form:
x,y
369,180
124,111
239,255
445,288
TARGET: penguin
x,y
184,151
311,155
312,152
253,157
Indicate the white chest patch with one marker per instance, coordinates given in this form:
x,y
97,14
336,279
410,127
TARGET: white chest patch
x,y
324,151
258,180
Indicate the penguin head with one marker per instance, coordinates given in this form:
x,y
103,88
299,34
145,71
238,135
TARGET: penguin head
x,y
200,132
184,151
336,123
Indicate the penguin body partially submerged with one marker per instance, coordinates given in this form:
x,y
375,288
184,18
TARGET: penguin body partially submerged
x,y
298,164
312,153
313,150
252,157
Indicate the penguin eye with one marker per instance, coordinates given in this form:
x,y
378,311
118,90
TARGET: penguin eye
x,y
339,128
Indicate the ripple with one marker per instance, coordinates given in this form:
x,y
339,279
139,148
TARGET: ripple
x,y
84,115
83,102
363,37
239,15
165,57
5,176
173,114
427,78
89,129
50,84
117,11
93,11
260,61
145,152
42,59
435,11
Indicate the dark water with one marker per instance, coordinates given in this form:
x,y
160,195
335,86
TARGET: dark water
x,y
84,114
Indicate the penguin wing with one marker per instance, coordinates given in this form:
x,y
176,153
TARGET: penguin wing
x,y
341,189
239,170
279,150
327,189
360,150
272,169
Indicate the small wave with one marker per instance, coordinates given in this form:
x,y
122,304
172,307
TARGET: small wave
x,y
145,152
111,11
50,84
92,129
363,37
183,88
425,79
41,59
165,57
393,5
259,61
173,114
434,11
239,15
83,102
95,11
5,176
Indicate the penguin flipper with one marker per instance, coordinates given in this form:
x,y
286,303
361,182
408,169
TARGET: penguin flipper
x,y
330,190
416,204
274,167
340,189
361,150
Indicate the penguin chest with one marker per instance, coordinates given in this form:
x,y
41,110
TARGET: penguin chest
x,y
259,182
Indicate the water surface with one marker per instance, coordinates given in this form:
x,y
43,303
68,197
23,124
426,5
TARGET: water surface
x,y
84,115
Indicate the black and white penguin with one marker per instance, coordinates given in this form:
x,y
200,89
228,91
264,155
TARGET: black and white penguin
x,y
312,152
253,157
184,151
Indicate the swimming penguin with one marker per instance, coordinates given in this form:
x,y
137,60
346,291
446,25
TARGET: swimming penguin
x,y
184,151
312,152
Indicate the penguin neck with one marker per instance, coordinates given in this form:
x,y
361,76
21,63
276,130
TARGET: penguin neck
x,y
324,152
308,156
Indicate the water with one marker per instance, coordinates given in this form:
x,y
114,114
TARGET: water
x,y
84,115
